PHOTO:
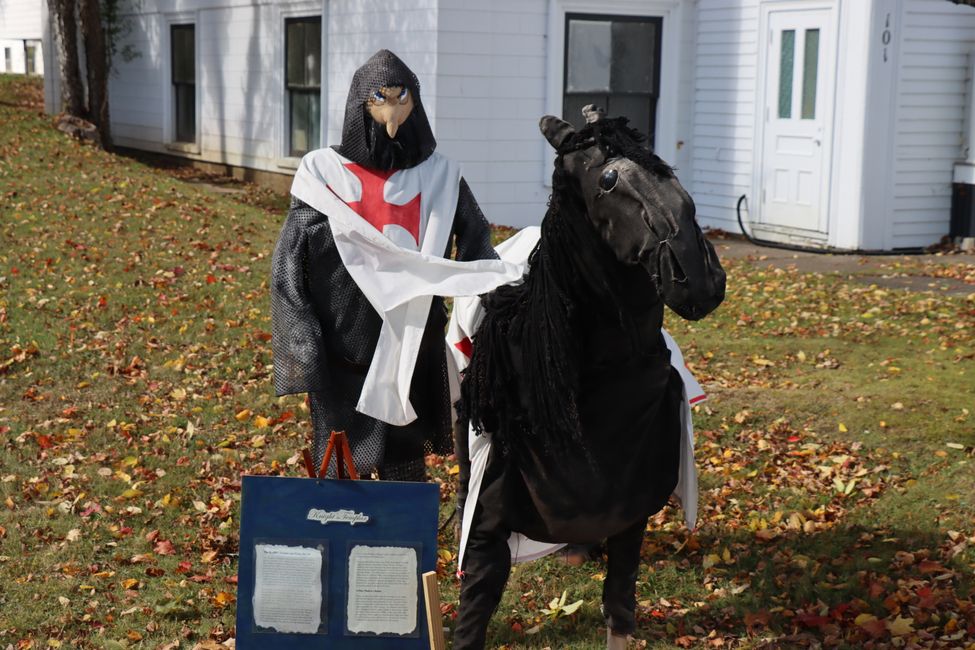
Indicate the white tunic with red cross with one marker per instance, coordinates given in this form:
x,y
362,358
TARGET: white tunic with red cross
x,y
391,229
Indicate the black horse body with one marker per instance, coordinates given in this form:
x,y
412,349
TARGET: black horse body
x,y
623,463
570,373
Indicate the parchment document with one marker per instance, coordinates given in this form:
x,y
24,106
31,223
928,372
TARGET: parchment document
x,y
382,590
288,588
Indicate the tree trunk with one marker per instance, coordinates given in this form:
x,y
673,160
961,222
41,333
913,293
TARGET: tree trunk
x,y
66,37
96,58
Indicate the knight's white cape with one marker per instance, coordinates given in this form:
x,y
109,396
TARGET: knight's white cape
x,y
397,275
466,316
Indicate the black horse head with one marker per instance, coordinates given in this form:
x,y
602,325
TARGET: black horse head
x,y
639,208
619,236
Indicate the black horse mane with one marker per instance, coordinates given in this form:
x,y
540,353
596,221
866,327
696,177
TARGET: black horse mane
x,y
530,329
617,138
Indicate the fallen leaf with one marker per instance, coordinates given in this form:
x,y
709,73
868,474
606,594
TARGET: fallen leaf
x,y
900,626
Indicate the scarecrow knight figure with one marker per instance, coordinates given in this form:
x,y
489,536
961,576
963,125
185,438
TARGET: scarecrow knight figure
x,y
358,271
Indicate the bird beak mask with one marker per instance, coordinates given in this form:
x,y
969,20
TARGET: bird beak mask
x,y
390,106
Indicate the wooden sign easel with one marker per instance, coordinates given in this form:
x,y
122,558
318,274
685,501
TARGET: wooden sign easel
x,y
338,445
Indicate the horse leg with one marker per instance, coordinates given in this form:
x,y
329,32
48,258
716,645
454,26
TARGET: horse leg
x,y
619,589
487,562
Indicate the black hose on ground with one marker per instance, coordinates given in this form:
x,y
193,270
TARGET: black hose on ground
x,y
812,249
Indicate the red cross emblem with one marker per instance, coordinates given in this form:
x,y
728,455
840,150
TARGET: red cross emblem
x,y
373,207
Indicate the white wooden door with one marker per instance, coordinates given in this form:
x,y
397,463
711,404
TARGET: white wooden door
x,y
799,86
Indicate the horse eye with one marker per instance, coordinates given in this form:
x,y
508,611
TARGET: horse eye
x,y
378,98
403,95
607,181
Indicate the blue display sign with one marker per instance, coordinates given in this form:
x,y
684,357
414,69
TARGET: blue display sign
x,y
334,563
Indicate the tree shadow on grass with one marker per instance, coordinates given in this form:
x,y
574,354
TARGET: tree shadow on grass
x,y
852,586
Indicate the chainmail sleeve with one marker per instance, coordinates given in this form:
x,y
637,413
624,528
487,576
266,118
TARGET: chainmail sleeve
x,y
471,229
297,342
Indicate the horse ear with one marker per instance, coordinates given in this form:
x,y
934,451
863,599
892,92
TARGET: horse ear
x,y
592,113
556,131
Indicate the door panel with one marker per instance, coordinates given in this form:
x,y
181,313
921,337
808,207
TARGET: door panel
x,y
798,115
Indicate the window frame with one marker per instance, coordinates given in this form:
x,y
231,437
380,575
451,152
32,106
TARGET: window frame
x,y
167,95
290,152
8,59
296,9
653,96
673,123
177,85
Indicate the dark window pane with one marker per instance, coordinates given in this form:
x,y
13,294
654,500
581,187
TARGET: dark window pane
x,y
31,54
8,59
589,50
183,49
634,57
305,121
296,45
634,107
313,53
303,38
184,54
185,113
304,52
810,72
786,61
572,106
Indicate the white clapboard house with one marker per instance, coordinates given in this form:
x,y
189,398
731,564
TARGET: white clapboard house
x,y
20,36
840,121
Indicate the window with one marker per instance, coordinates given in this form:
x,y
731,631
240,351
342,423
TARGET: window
x,y
786,61
613,62
809,71
183,45
8,59
30,63
303,74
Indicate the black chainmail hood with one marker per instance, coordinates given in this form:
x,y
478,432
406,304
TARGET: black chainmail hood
x,y
382,69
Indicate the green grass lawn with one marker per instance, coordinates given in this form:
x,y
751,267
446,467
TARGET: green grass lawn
x,y
836,450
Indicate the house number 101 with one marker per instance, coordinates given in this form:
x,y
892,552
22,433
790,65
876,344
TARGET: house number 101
x,y
885,38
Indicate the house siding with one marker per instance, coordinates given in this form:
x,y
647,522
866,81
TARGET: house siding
x,y
240,81
491,74
723,134
135,89
484,70
241,89
358,28
487,76
931,100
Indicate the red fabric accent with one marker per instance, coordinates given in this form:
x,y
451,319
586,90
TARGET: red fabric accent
x,y
373,207
466,347
699,398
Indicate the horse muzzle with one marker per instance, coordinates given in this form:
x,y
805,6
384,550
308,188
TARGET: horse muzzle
x,y
690,281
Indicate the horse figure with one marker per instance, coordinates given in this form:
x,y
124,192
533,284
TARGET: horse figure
x,y
570,374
